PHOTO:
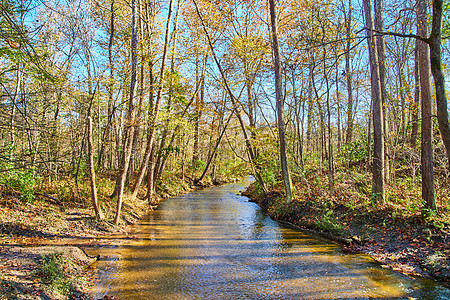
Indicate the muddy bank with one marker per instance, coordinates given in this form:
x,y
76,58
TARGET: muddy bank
x,y
407,245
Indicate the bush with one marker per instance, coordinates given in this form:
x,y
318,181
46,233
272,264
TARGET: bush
x,y
14,180
328,223
23,182
355,152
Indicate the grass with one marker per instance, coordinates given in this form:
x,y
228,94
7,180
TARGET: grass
x,y
56,272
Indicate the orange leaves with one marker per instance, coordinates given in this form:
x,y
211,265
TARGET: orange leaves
x,y
13,44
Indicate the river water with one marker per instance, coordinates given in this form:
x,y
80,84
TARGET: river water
x,y
214,244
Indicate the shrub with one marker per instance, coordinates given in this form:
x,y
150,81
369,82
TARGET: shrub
x,y
355,152
15,180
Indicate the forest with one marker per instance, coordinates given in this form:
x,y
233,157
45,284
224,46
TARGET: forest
x,y
338,109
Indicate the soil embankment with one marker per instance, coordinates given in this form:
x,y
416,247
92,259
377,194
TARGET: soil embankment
x,y
407,245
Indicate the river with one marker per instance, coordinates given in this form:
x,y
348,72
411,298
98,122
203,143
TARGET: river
x,y
215,244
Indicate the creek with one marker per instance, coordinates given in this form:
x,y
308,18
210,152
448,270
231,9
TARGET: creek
x,y
215,244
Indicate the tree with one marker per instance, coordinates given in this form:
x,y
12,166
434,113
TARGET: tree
x,y
95,204
348,74
378,126
425,95
130,117
279,103
434,42
415,104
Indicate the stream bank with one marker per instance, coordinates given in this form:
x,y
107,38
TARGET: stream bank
x,y
407,245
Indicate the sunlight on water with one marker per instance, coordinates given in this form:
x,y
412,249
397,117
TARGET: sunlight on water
x,y
214,244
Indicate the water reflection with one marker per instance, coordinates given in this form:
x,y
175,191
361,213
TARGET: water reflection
x,y
215,244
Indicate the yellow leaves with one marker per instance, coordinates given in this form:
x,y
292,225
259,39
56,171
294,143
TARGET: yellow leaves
x,y
249,47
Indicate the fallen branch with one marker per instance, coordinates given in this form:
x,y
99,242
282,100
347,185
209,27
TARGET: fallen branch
x,y
49,197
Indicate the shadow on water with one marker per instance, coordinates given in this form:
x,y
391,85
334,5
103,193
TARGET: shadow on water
x,y
214,244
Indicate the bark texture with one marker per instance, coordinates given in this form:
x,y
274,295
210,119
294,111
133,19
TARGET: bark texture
x,y
428,193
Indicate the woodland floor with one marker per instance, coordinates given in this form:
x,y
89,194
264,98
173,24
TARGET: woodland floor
x,y
406,244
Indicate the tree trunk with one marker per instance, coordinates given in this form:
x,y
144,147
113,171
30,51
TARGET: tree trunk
x,y
378,126
381,54
330,135
106,135
401,87
95,204
198,113
13,107
439,80
338,108
348,76
279,104
310,109
299,105
416,103
425,94
131,116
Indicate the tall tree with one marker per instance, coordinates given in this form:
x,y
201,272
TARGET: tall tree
x,y
415,104
377,114
425,96
439,80
381,58
131,115
279,103
95,204
348,74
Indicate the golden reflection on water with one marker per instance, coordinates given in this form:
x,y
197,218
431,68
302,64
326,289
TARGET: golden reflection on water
x,y
214,244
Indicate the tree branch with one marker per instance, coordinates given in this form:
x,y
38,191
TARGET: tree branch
x,y
414,36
